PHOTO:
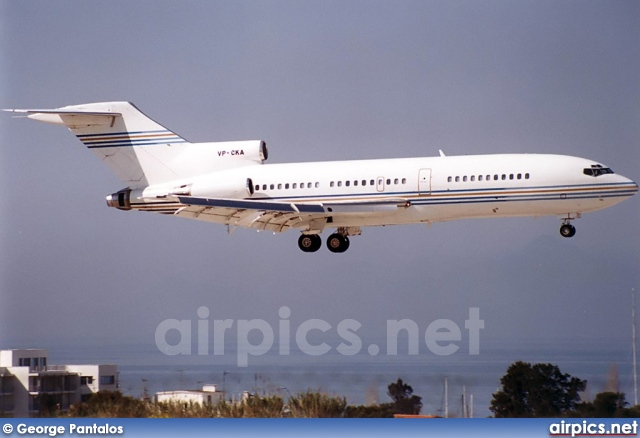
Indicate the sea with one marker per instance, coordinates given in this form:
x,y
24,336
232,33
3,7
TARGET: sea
x,y
470,380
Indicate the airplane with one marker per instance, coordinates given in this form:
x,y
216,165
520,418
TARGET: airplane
x,y
228,182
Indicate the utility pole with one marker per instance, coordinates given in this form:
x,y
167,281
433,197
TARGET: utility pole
x,y
446,397
633,347
224,393
464,401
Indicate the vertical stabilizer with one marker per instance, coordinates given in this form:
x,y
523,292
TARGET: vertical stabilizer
x,y
137,149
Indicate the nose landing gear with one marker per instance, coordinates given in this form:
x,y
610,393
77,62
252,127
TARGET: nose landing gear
x,y
567,230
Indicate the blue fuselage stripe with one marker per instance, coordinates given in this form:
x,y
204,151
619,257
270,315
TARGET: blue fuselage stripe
x,y
536,193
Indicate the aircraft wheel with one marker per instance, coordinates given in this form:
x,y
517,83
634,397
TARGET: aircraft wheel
x,y
567,230
309,242
337,243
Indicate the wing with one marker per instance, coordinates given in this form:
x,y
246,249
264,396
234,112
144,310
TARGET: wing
x,y
278,216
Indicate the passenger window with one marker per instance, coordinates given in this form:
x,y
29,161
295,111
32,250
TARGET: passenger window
x,y
404,180
286,186
519,176
294,186
464,178
395,181
272,187
457,179
339,183
308,185
511,176
317,185
450,179
495,177
364,182
388,181
526,176
504,176
347,183
331,184
473,177
373,183
279,186
355,183
479,177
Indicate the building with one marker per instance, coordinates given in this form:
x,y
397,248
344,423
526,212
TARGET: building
x,y
208,395
28,384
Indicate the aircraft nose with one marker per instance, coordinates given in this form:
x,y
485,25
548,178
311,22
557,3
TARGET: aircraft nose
x,y
633,186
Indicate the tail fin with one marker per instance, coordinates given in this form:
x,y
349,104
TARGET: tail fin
x,y
137,149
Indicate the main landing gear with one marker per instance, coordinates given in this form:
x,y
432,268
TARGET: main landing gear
x,y
567,230
338,242
309,242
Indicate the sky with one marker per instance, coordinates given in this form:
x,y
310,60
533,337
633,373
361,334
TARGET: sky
x,y
317,81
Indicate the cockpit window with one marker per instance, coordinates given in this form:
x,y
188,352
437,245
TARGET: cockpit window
x,y
596,170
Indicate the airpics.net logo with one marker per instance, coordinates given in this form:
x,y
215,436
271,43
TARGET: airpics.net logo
x,y
256,337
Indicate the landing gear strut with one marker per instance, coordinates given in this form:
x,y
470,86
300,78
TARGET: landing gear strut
x,y
309,242
567,230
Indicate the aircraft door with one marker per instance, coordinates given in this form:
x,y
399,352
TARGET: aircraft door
x,y
424,182
380,184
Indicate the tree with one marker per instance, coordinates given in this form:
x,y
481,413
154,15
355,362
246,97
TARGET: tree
x,y
404,402
316,405
384,410
539,390
110,404
606,405
609,404
253,407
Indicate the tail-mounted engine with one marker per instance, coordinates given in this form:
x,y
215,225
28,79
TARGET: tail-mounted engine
x,y
224,184
120,200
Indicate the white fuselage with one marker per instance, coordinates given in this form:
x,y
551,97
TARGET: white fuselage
x,y
437,188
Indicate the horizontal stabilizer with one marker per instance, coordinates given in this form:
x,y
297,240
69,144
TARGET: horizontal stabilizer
x,y
63,112
74,119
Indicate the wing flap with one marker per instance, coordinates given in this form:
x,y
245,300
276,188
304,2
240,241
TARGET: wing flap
x,y
278,216
260,220
249,204
366,206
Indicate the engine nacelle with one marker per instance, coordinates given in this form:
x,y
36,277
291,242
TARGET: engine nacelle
x,y
222,185
120,200
203,158
255,150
